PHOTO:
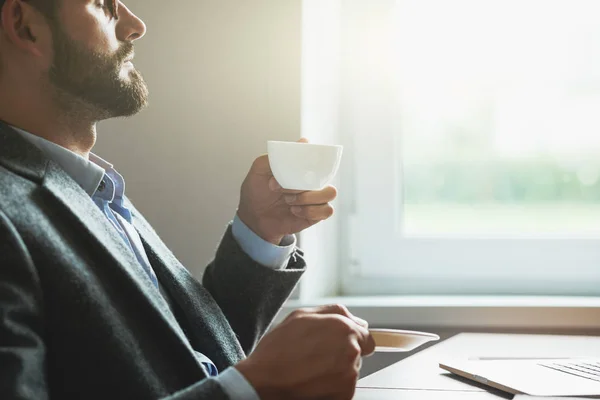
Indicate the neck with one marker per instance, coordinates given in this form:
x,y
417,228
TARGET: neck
x,y
44,115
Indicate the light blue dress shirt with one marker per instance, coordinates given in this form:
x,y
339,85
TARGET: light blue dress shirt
x,y
106,188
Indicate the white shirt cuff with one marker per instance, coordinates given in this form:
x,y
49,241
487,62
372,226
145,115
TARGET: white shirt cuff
x,y
261,251
236,386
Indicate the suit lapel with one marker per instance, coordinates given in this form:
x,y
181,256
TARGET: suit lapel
x,y
89,218
200,311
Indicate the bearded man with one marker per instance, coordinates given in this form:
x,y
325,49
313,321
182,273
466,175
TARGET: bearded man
x,y
93,305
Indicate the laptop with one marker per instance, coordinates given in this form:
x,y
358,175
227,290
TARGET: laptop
x,y
532,376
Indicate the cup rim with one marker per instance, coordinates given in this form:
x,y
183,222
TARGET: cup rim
x,y
310,144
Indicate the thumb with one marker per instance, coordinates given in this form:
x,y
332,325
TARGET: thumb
x,y
261,165
302,140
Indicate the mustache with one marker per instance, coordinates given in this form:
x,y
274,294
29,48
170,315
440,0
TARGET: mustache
x,y
126,51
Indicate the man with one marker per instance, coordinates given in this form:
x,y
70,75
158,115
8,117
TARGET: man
x,y
92,303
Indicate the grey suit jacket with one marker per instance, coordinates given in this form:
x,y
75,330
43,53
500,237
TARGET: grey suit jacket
x,y
80,319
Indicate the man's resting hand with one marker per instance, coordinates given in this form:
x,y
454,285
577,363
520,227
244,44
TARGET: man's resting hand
x,y
313,354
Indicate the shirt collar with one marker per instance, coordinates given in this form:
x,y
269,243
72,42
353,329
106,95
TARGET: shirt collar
x,y
112,183
87,173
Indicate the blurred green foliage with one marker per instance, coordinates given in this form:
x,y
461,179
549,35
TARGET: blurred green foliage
x,y
541,180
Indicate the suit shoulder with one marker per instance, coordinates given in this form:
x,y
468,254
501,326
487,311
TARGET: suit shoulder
x,y
8,176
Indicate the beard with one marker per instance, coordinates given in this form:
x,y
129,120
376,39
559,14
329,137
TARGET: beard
x,y
95,83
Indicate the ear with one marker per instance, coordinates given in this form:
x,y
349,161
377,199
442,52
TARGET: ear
x,y
24,26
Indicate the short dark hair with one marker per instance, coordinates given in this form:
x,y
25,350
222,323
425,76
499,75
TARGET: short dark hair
x,y
48,6
44,6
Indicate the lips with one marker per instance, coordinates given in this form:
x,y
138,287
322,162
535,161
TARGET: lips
x,y
129,58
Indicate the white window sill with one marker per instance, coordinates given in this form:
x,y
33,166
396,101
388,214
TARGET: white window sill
x,y
472,312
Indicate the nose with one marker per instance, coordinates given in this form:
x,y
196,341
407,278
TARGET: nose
x,y
129,27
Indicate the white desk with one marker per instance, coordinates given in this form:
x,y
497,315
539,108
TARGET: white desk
x,y
420,378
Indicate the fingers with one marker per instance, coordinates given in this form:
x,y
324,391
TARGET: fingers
x,y
310,205
313,213
276,187
341,310
303,140
365,340
319,197
368,346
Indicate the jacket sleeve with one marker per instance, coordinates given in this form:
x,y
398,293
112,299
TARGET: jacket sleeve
x,y
249,294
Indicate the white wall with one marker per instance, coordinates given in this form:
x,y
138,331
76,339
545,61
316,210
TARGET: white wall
x,y
224,77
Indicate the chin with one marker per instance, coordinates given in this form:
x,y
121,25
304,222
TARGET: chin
x,y
127,74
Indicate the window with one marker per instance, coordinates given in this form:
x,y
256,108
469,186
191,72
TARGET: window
x,y
472,142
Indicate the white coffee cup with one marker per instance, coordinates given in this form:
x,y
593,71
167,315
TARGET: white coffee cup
x,y
303,166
